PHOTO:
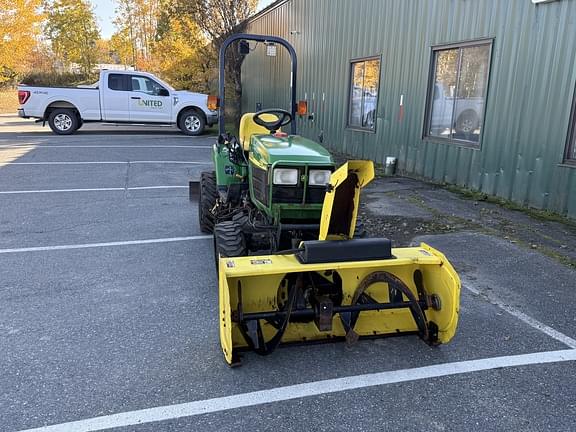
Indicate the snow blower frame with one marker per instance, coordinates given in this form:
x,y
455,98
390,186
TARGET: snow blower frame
x,y
336,287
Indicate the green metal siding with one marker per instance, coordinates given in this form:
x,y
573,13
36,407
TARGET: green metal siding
x,y
530,93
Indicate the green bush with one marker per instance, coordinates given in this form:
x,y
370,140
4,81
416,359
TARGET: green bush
x,y
53,79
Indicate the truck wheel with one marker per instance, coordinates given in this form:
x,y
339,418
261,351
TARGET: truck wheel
x,y
191,122
467,122
63,121
207,201
229,240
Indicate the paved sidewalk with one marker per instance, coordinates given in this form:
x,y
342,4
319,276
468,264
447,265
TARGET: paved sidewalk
x,y
402,208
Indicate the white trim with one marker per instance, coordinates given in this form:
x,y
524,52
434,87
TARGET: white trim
x,y
272,6
297,391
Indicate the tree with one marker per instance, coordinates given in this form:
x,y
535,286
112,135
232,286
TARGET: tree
x,y
219,19
137,22
104,52
182,57
122,48
19,29
73,32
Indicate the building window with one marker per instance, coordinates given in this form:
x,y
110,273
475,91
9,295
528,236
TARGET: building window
x,y
457,92
571,145
364,82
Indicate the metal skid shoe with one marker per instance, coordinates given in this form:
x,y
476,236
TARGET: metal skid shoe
x,y
337,287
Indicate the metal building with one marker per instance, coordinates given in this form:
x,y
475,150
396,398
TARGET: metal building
x,y
478,93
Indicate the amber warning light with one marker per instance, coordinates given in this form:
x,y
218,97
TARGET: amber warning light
x,y
213,103
302,108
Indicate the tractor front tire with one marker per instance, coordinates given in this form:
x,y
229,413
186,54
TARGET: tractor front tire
x,y
229,240
207,201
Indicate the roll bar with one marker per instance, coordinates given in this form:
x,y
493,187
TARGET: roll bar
x,y
257,38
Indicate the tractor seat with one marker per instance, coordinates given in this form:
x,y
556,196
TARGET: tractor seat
x,y
249,128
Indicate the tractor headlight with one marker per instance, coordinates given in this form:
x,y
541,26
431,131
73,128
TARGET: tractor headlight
x,y
285,176
319,177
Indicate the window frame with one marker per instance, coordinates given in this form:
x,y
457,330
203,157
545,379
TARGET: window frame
x,y
430,91
570,147
145,77
350,90
125,82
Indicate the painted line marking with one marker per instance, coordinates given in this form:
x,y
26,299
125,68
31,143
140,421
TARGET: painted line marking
x,y
534,323
107,163
297,391
111,133
46,146
110,189
109,244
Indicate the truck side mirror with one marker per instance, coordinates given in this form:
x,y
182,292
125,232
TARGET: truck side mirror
x,y
163,92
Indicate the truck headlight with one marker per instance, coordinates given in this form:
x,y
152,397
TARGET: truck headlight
x,y
319,177
285,176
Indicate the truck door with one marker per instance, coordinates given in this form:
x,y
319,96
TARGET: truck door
x,y
116,97
149,101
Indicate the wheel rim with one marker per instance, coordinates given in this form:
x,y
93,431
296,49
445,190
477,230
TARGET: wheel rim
x,y
63,122
192,123
467,125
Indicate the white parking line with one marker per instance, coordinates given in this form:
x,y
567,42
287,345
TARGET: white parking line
x,y
100,245
108,163
47,146
534,323
115,134
110,189
279,394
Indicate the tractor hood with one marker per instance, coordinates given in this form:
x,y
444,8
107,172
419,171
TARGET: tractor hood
x,y
268,149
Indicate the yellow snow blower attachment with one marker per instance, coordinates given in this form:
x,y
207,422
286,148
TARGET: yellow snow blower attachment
x,y
336,287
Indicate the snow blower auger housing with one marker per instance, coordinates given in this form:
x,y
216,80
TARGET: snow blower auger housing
x,y
336,287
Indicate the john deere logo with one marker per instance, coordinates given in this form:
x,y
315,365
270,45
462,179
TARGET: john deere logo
x,y
150,103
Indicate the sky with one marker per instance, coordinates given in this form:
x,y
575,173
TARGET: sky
x,y
105,13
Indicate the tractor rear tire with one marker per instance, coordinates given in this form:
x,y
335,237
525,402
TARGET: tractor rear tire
x,y
229,240
207,201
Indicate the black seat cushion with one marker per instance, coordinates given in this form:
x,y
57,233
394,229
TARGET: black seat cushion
x,y
369,249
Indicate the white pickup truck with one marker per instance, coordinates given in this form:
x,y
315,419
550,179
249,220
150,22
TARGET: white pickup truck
x,y
129,97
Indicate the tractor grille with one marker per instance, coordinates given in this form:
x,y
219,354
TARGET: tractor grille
x,y
285,194
315,195
260,183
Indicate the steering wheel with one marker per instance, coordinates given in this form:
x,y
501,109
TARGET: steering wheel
x,y
284,118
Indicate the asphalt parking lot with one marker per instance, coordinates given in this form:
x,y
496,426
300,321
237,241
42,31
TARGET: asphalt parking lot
x,y
108,313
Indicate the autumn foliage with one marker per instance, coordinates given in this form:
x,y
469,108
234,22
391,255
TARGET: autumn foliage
x,y
176,39
20,27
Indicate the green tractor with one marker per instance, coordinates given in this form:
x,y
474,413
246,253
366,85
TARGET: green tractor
x,y
279,198
268,186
